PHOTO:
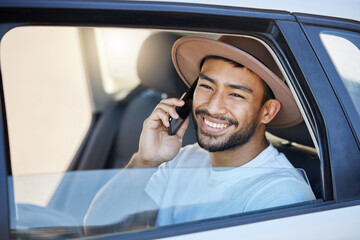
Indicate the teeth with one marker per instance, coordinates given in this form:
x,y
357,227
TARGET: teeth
x,y
215,125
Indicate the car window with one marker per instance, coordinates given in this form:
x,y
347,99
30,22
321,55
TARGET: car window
x,y
344,50
126,199
73,78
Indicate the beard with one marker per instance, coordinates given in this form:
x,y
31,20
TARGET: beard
x,y
236,139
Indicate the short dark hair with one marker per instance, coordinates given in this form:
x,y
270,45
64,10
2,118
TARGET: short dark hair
x,y
267,92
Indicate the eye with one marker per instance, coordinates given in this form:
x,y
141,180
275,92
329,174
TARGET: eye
x,y
236,95
205,86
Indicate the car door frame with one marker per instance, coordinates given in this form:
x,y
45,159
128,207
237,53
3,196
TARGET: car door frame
x,y
344,141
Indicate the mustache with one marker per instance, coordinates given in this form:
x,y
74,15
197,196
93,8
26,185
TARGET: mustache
x,y
219,117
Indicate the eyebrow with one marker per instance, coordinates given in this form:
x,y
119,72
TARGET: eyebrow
x,y
234,86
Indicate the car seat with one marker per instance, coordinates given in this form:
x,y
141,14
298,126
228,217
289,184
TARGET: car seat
x,y
115,136
296,143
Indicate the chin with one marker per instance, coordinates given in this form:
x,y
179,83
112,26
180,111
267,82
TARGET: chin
x,y
213,143
218,143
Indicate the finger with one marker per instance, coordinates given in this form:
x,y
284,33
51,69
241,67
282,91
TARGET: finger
x,y
157,118
163,116
169,105
170,109
164,109
172,102
180,133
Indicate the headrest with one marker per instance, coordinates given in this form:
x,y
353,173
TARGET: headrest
x,y
155,68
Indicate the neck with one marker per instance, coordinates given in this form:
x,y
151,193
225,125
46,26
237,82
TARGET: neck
x,y
240,155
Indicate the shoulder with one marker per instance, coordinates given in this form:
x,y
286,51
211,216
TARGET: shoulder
x,y
280,187
279,159
270,157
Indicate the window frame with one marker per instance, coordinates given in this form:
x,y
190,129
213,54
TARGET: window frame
x,y
342,121
313,32
83,13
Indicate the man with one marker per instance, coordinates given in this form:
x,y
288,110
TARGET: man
x,y
232,168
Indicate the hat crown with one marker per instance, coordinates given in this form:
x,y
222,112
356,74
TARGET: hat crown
x,y
255,49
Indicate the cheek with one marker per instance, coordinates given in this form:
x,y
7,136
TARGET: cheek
x,y
239,113
242,112
199,99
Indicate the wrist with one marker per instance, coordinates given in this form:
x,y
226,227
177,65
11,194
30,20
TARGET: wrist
x,y
137,162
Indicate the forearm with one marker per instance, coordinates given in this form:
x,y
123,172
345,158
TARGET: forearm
x,y
121,197
137,162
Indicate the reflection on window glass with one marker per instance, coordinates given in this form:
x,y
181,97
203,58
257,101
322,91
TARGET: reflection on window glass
x,y
343,49
48,107
118,51
99,201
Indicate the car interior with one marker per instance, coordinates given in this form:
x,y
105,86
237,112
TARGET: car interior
x,y
114,137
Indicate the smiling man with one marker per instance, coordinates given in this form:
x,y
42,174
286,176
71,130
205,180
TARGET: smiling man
x,y
232,168
228,111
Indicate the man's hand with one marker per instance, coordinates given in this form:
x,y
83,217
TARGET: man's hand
x,y
156,145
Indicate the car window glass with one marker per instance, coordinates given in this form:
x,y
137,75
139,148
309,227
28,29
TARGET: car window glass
x,y
98,65
112,46
344,51
129,199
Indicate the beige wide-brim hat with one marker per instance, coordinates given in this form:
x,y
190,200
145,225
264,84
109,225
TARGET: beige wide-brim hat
x,y
188,52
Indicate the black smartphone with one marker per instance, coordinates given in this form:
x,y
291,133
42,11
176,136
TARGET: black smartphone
x,y
183,111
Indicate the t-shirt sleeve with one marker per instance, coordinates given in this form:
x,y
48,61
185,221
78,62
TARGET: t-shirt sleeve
x,y
157,184
280,192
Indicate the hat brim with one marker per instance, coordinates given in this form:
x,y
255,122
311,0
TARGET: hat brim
x,y
188,52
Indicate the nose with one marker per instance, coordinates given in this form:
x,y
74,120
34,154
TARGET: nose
x,y
216,104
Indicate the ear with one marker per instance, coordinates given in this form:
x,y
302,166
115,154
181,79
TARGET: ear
x,y
269,110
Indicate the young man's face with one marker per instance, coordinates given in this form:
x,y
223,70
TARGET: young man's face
x,y
226,105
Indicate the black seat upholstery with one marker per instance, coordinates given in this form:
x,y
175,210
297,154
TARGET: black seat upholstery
x,y
159,78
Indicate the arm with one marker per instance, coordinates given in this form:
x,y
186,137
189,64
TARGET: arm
x,y
123,197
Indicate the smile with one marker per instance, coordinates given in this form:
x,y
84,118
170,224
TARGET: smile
x,y
215,125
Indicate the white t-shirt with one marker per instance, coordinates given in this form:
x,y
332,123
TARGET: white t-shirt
x,y
188,188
